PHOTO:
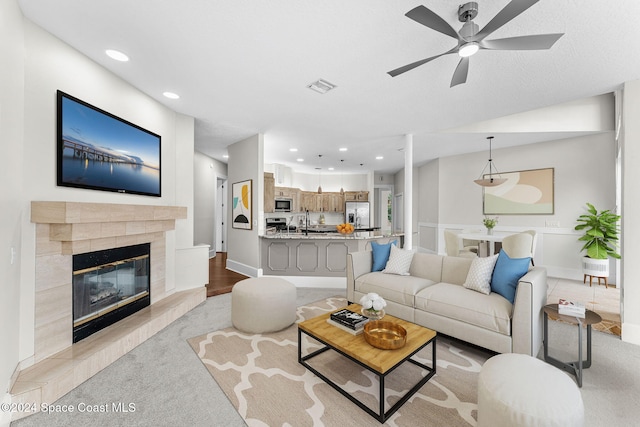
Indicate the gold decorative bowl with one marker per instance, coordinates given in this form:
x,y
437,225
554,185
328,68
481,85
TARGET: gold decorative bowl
x,y
385,335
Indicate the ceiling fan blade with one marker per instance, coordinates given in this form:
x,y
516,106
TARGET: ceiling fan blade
x,y
510,11
534,42
460,74
413,65
428,18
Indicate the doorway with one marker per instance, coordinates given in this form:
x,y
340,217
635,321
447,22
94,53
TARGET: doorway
x,y
221,215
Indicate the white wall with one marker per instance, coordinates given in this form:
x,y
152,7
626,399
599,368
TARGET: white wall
x,y
206,172
630,214
243,246
584,171
47,64
11,143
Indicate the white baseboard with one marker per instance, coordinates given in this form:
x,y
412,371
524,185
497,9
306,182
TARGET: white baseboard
x,y
244,269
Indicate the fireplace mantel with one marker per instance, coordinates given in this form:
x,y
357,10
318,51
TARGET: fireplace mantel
x,y
86,227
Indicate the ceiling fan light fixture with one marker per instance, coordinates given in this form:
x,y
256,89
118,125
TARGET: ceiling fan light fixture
x,y
468,49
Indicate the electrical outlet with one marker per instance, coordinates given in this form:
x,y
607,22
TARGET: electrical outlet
x,y
553,224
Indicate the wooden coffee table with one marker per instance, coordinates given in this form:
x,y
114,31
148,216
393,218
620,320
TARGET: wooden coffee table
x,y
379,362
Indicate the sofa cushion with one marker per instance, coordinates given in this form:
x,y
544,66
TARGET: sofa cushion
x,y
491,312
427,266
455,269
399,289
507,273
380,252
479,276
399,261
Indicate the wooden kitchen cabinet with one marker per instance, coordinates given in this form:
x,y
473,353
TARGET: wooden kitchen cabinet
x,y
356,196
269,189
332,202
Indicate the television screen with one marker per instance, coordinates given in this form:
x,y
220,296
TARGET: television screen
x,y
99,151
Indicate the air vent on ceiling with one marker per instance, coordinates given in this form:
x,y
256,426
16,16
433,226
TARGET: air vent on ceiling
x,y
321,86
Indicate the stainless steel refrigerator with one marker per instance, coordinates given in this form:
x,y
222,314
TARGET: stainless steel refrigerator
x,y
357,213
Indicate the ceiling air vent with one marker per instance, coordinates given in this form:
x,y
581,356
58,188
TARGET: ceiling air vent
x,y
321,86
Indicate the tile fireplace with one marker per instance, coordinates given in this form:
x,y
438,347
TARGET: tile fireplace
x,y
67,232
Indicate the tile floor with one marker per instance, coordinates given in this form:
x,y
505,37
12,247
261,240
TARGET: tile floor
x,y
604,301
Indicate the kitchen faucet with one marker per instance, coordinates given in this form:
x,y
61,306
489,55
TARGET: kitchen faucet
x,y
306,223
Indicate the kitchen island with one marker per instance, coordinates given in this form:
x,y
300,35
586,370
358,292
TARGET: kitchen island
x,y
315,254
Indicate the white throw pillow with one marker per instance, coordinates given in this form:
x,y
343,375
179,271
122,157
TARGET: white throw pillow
x,y
399,261
479,275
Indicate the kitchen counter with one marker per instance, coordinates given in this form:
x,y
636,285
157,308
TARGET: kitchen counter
x,y
316,254
317,234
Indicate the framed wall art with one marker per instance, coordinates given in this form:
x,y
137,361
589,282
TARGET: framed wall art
x,y
528,192
241,205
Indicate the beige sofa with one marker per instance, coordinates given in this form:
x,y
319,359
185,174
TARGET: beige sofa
x,y
433,296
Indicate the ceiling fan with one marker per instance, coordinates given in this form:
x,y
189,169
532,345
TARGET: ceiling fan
x,y
470,40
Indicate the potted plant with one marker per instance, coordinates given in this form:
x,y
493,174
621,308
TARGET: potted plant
x,y
600,236
490,223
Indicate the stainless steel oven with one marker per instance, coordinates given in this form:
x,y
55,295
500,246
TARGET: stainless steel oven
x,y
283,205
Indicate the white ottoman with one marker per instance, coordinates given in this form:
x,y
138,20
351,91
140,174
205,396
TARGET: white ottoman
x,y
263,304
520,390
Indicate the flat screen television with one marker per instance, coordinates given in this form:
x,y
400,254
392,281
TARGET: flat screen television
x,y
100,151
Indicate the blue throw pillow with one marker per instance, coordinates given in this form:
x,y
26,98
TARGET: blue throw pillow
x,y
507,273
381,254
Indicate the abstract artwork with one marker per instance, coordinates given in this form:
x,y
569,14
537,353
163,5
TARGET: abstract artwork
x,y
528,192
241,209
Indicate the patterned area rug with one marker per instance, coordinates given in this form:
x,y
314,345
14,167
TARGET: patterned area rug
x,y
261,376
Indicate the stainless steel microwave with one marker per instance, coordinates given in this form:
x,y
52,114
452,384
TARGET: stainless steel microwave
x,y
283,205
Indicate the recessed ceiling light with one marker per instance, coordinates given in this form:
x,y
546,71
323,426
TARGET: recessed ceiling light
x,y
379,157
293,149
321,86
331,169
300,160
117,55
225,156
343,149
171,95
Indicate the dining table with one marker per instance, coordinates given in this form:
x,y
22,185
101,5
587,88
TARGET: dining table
x,y
487,241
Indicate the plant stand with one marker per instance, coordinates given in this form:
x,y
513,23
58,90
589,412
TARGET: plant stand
x,y
584,280
598,268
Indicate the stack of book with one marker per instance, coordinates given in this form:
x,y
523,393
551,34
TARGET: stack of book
x,y
348,320
571,308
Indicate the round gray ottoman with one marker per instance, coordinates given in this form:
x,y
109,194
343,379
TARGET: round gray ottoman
x,y
263,304
520,390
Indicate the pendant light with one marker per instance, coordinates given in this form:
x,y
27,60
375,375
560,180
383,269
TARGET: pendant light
x,y
491,181
341,176
319,178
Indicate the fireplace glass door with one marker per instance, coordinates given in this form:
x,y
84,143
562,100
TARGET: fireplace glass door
x,y
108,286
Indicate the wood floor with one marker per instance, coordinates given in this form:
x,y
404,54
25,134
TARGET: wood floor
x,y
221,280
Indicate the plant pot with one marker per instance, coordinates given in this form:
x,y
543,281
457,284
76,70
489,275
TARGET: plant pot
x,y
489,231
595,267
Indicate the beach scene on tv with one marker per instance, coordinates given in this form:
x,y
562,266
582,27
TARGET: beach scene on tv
x,y
100,151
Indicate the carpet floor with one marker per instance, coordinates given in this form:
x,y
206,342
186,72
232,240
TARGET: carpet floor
x,y
262,378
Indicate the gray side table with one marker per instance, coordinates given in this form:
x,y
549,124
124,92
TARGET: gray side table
x,y
574,368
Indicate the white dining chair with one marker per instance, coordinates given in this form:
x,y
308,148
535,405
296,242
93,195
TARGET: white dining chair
x,y
452,245
534,234
470,244
518,245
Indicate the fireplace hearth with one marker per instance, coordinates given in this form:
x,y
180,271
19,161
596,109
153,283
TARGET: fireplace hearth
x,y
108,286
